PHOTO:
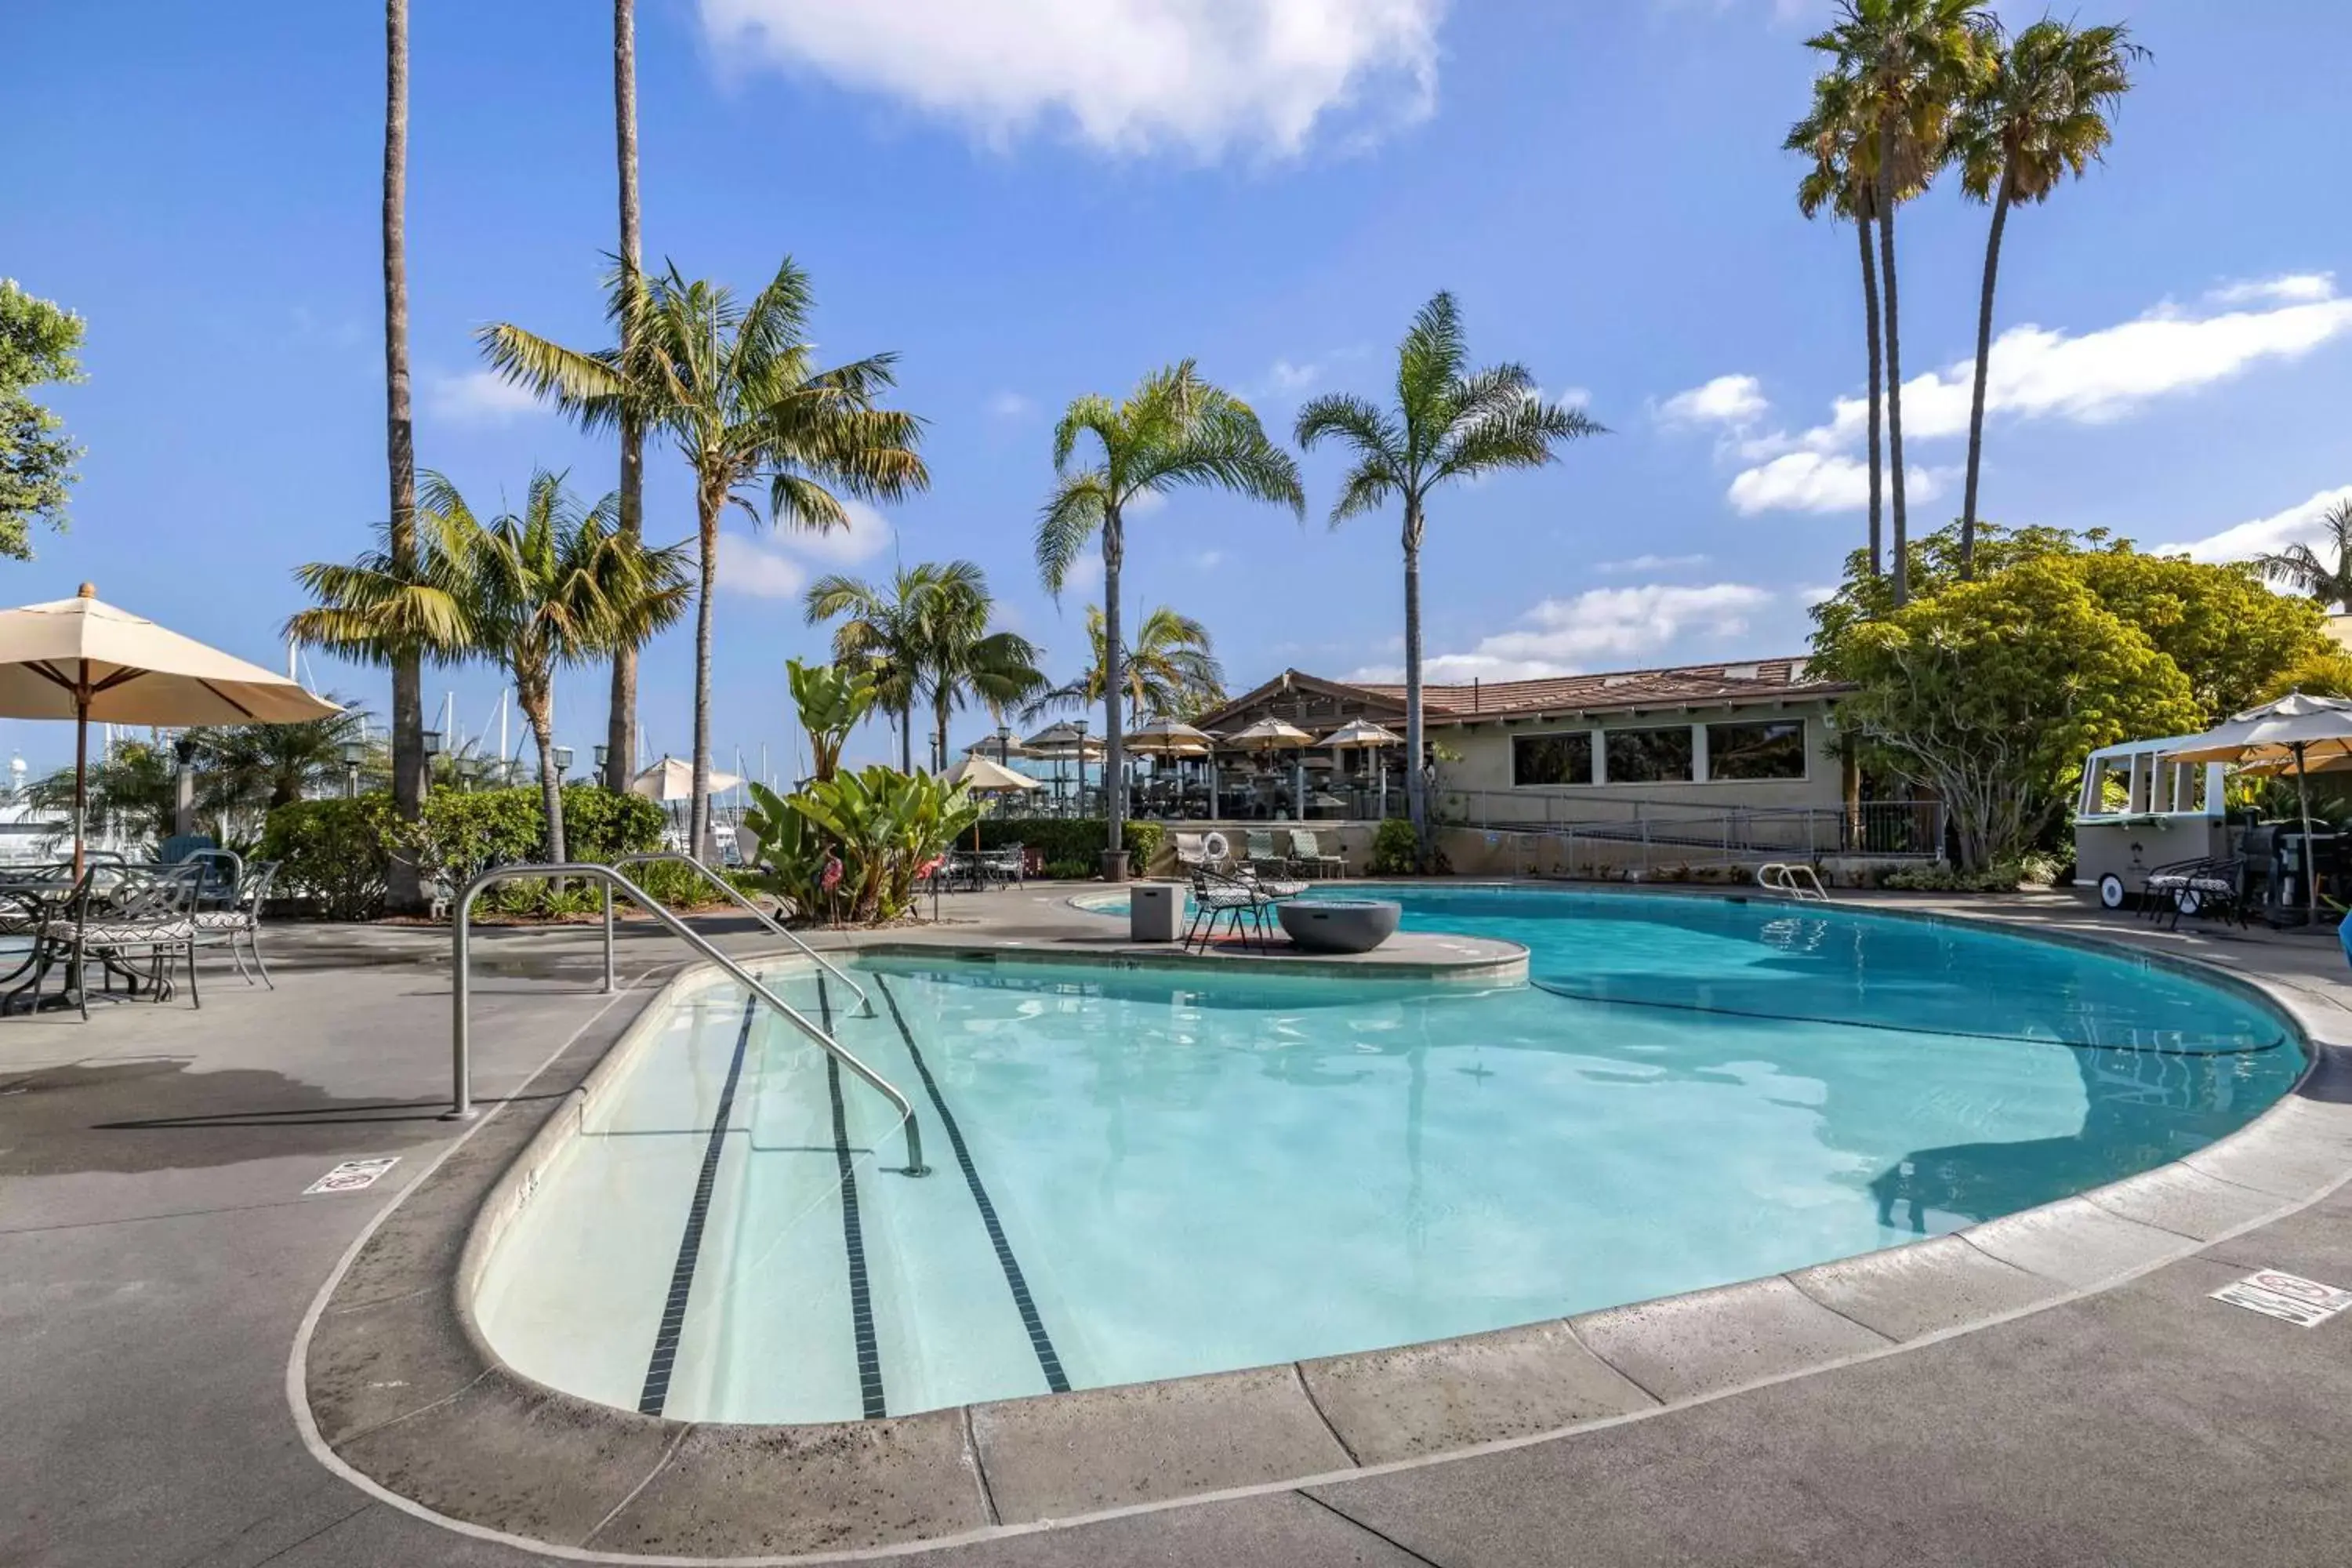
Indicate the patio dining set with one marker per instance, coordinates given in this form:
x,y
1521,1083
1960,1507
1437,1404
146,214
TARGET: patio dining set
x,y
133,922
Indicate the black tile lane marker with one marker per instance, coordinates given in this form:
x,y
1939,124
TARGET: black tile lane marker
x,y
656,1393
853,1235
1049,1362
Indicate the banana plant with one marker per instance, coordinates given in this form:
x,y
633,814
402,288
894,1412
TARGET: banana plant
x,y
886,827
832,701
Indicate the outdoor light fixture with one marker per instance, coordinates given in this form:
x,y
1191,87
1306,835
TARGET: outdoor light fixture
x,y
604,754
432,743
562,761
354,753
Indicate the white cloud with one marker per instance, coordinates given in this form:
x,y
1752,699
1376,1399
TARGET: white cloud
x,y
2289,289
750,568
1085,576
1564,636
867,535
2032,372
477,397
2296,524
1287,381
1125,76
1209,560
1008,405
1650,563
1813,482
1732,400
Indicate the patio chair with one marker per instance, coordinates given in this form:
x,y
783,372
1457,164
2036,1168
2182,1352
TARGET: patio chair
x,y
118,915
1307,853
1258,852
1006,863
2211,889
1216,896
237,919
181,846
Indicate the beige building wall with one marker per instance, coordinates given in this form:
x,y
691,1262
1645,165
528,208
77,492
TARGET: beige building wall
x,y
1481,788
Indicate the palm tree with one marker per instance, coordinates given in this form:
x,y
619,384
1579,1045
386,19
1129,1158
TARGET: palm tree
x,y
1910,64
2300,568
1175,429
1171,669
1837,183
621,726
2039,114
532,590
259,767
1450,422
881,634
963,657
404,893
736,388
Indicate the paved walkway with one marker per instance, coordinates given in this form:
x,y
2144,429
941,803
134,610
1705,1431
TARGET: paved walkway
x,y
156,1259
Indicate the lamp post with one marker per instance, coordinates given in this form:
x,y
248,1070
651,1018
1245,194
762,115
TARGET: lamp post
x,y
354,753
1081,801
603,753
561,756
432,739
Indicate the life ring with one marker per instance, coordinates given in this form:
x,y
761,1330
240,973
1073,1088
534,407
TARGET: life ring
x,y
1215,846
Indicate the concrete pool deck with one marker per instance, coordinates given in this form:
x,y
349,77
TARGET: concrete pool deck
x,y
156,1262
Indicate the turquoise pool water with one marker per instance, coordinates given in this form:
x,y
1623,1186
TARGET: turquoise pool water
x,y
1152,1173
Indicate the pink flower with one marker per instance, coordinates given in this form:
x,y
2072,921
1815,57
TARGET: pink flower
x,y
832,874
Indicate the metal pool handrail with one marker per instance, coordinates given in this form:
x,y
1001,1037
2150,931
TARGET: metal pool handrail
x,y
727,888
461,1046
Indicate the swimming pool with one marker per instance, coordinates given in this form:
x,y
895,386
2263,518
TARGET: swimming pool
x,y
1147,1172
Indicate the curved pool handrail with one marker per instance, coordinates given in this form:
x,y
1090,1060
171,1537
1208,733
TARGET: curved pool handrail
x,y
1780,876
727,888
461,1044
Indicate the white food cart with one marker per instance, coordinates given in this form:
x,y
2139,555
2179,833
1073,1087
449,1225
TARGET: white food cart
x,y
2138,811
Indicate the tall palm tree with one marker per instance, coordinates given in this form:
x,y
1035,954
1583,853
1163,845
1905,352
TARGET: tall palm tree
x,y
1911,65
1838,183
1170,670
929,636
735,386
621,725
404,893
1175,429
2299,566
531,590
2039,114
1449,423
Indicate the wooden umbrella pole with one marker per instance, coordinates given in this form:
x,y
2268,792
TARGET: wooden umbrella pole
x,y
2310,850
81,764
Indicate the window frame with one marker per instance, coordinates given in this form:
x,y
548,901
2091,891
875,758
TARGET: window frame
x,y
1591,757
1804,749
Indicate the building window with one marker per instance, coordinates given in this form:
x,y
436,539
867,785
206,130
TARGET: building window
x,y
1552,759
1772,751
1649,756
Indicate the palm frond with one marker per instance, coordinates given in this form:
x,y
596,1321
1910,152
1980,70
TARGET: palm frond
x,y
1071,516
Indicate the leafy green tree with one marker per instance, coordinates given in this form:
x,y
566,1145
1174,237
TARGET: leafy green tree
x,y
1174,430
882,631
2324,671
831,700
1909,64
1450,422
736,388
2039,112
253,769
2301,568
1991,692
2229,636
1171,669
39,341
133,789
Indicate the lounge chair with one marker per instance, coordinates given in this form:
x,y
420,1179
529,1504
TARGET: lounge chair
x,y
1258,852
1308,855
1216,896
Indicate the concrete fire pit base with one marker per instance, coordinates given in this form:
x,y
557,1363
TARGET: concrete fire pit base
x,y
1334,925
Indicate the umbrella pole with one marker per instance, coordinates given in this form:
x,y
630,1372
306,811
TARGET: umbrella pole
x,y
81,767
2310,850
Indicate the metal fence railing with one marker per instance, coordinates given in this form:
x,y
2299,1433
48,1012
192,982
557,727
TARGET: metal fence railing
x,y
1889,829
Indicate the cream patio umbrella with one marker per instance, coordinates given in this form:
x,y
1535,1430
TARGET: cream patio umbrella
x,y
1271,735
984,775
1168,739
1363,735
1065,739
80,659
2305,733
671,780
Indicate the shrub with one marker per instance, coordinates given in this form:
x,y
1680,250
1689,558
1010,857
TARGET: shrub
x,y
1071,870
2032,869
335,853
1395,848
599,825
1073,841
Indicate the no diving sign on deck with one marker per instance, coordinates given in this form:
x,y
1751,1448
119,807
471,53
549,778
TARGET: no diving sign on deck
x,y
2290,1297
352,1175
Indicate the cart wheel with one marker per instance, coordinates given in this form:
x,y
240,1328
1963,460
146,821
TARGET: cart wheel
x,y
2111,891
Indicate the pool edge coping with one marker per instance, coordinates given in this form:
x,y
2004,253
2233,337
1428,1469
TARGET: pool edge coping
x,y
2297,1131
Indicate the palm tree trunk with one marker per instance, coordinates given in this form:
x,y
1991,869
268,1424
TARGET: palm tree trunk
x,y
1877,397
906,739
404,893
1984,356
621,730
1901,541
1114,549
698,817
939,708
1416,786
538,711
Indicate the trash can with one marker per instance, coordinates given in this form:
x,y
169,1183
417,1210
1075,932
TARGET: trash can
x,y
1151,912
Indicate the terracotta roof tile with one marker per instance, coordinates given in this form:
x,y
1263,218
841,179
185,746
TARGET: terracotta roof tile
x,y
1741,681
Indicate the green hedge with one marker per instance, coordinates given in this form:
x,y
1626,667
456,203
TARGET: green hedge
x,y
1069,841
338,852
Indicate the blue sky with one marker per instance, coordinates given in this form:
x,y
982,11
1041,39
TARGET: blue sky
x,y
1028,199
